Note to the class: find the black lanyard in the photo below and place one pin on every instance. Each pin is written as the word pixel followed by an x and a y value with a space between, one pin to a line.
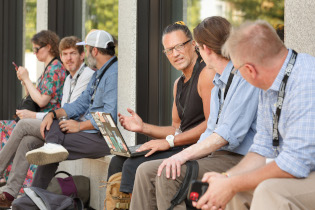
pixel 40 79
pixel 227 87
pixel 75 82
pixel 98 79
pixel 281 94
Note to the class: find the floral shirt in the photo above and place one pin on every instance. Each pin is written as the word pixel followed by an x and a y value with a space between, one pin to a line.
pixel 51 83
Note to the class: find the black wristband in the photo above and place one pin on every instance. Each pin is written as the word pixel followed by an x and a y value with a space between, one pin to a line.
pixel 53 111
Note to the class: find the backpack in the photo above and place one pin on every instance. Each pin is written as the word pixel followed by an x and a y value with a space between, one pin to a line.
pixel 40 199
pixel 115 199
pixel 73 186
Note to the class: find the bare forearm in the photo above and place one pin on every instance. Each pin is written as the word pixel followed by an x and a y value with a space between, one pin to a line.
pixel 35 94
pixel 25 88
pixel 250 180
pixel 191 136
pixel 86 125
pixel 204 148
pixel 157 132
pixel 250 162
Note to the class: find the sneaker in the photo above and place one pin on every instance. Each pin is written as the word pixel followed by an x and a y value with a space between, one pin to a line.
pixel 4 202
pixel 49 153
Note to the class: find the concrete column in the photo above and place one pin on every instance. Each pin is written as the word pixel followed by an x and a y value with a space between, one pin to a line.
pixel 41 24
pixel 42 15
pixel 299 25
pixel 127 47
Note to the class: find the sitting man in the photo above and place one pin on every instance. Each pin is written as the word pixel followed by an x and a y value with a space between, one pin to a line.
pixel 190 112
pixel 73 139
pixel 229 134
pixel 285 128
pixel 26 136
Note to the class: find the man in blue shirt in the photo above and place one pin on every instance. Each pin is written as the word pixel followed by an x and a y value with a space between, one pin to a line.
pixel 278 172
pixel 73 139
pixel 230 129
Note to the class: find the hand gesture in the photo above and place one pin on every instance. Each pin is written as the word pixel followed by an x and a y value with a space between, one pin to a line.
pixel 22 73
pixel 131 123
pixel 153 146
pixel 172 164
pixel 24 113
pixel 46 123
pixel 69 126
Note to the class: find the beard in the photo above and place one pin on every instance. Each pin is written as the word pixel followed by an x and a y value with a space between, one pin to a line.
pixel 91 62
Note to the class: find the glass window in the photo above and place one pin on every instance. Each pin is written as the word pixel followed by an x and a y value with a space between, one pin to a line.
pixel 235 11
pixel 103 15
pixel 30 30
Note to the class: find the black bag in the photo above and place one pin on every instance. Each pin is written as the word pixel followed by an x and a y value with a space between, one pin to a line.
pixel 181 195
pixel 27 103
pixel 40 199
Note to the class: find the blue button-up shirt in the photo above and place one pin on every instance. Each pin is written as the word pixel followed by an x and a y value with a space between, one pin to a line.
pixel 105 99
pixel 297 119
pixel 237 122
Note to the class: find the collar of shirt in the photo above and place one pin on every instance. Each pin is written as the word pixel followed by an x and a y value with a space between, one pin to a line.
pixel 221 80
pixel 76 74
pixel 276 84
pixel 98 72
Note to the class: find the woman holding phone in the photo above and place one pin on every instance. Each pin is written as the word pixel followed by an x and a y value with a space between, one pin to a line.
pixel 48 93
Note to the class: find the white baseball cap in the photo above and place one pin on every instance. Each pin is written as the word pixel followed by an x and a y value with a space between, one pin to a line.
pixel 97 38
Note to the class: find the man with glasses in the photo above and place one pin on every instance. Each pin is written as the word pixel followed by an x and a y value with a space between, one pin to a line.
pixel 75 138
pixel 230 129
pixel 191 107
pixel 279 170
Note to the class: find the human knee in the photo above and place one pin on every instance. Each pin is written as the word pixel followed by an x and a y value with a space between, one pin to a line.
pixel 142 170
pixel 31 143
pixel 266 188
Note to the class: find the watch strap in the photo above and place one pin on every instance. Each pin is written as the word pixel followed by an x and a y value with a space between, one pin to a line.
pixel 54 113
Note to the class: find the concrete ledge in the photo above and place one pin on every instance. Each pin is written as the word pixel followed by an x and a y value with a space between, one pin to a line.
pixel 96 170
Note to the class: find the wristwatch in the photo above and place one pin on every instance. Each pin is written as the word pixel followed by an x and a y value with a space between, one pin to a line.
pixel 54 113
pixel 170 140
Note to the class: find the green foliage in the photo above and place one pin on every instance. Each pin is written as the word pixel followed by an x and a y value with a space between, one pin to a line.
pixel 269 10
pixel 193 13
pixel 103 15
pixel 30 23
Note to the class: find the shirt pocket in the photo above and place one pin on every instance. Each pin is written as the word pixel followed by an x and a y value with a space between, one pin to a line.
pixel 98 99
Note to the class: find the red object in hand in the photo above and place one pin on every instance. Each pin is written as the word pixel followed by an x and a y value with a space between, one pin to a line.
pixel 194 196
pixel 16 67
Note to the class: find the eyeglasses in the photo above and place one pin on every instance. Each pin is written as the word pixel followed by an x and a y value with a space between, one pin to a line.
pixel 36 49
pixel 178 47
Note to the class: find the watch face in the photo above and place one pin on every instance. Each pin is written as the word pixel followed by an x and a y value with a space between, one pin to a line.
pixel 169 137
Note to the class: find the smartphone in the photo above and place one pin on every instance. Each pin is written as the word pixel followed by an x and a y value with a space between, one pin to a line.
pixel 16 67
pixel 196 190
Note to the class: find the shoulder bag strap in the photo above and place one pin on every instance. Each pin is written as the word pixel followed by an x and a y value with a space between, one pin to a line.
pixel 191 174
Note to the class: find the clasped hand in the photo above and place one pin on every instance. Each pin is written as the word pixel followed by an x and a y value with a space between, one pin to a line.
pixel 218 194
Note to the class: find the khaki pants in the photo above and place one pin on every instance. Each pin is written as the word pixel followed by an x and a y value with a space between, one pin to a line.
pixel 278 194
pixel 25 137
pixel 152 192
